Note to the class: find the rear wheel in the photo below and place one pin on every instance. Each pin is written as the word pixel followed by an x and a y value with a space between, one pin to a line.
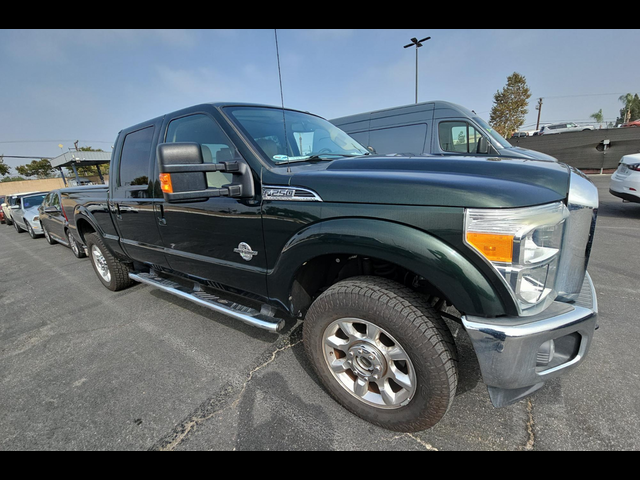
pixel 18 229
pixel 75 247
pixel 110 271
pixel 383 352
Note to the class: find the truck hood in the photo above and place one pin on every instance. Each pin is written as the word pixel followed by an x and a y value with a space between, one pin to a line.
pixel 437 181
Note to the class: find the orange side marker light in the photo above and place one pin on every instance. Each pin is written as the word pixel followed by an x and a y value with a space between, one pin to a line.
pixel 496 248
pixel 165 183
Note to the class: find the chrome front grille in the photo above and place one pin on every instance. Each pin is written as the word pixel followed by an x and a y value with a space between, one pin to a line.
pixel 578 236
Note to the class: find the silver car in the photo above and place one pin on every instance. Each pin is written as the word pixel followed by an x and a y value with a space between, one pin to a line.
pixel 563 128
pixel 25 214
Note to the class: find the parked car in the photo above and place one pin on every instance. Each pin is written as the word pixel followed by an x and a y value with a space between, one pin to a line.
pixel 25 214
pixel 634 123
pixel 9 202
pixel 54 222
pixel 564 128
pixel 625 181
pixel 2 197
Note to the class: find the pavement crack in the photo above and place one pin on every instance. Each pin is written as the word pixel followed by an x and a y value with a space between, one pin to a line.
pixel 426 445
pixel 531 436
pixel 220 402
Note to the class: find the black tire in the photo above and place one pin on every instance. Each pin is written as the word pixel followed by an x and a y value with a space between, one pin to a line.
pixel 32 232
pixel 18 229
pixel 415 388
pixel 47 236
pixel 76 248
pixel 111 272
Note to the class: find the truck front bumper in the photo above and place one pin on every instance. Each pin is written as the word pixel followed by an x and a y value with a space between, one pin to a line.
pixel 518 354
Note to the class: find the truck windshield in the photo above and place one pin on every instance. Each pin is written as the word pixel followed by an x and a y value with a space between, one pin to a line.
pixel 294 136
pixel 495 135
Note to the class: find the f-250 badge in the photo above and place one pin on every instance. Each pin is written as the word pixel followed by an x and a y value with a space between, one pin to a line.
pixel 245 251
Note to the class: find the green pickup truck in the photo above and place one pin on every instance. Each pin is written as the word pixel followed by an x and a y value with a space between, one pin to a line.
pixel 273 216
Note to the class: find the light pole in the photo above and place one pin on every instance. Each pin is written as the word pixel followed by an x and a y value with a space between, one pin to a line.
pixel 418 44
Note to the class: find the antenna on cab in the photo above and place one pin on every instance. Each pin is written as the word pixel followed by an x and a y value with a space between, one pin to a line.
pixel 286 141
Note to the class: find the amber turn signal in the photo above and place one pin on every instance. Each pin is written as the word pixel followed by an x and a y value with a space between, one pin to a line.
pixel 496 248
pixel 165 183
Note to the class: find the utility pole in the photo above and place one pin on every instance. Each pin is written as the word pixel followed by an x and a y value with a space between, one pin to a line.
pixel 418 44
pixel 539 108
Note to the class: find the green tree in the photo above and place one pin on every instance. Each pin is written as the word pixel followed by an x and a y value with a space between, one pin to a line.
pixel 4 169
pixel 631 109
pixel 510 106
pixel 12 179
pixel 38 168
pixel 598 117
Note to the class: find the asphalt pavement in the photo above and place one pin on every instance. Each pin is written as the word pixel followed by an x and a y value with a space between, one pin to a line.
pixel 83 368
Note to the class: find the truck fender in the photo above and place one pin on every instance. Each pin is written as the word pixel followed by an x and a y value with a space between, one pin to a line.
pixel 83 214
pixel 440 264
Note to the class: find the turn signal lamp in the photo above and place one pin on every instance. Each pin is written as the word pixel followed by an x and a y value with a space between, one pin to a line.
pixel 496 248
pixel 165 183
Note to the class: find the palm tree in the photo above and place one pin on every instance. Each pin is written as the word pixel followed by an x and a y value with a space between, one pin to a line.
pixel 630 102
pixel 598 117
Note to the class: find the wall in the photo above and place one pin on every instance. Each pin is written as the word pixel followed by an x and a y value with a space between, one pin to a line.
pixel 46 185
pixel 579 148
pixel 8 188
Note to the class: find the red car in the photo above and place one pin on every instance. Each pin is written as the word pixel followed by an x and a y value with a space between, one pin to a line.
pixel 1 212
pixel 635 123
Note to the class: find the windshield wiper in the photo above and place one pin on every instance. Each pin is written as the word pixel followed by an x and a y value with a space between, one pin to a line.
pixel 318 157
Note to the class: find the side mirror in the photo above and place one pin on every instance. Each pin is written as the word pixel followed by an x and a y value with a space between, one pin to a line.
pixel 183 174
pixel 483 145
pixel 51 210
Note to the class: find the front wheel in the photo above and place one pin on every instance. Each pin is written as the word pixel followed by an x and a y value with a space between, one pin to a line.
pixel 383 352
pixel 110 271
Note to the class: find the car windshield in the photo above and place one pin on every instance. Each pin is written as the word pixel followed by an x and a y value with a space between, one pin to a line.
pixel 28 202
pixel 294 136
pixel 495 135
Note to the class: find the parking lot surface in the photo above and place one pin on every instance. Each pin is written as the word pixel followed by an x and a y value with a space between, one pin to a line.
pixel 83 368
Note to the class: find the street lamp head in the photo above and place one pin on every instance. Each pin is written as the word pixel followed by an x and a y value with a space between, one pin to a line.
pixel 416 42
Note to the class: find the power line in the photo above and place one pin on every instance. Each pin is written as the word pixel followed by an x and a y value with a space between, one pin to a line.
pixel 583 95
pixel 52 141
pixel 22 156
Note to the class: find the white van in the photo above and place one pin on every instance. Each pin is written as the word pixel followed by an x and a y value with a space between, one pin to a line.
pixel 435 128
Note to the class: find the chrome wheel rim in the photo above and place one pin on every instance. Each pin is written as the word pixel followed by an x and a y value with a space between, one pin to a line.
pixel 101 264
pixel 74 245
pixel 369 363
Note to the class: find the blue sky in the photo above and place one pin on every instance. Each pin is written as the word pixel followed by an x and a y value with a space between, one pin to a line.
pixel 58 86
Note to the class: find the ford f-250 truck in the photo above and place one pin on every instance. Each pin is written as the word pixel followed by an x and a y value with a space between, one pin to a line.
pixel 269 214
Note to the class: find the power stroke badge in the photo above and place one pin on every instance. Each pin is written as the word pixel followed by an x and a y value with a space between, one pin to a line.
pixel 245 251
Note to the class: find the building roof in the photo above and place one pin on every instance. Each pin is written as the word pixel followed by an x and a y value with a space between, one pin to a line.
pixel 80 159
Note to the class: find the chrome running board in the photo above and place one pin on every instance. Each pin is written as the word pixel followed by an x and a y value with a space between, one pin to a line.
pixel 235 310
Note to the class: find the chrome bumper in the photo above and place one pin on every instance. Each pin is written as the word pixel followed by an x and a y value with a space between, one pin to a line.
pixel 515 353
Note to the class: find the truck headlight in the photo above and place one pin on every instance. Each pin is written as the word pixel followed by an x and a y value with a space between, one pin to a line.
pixel 523 245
